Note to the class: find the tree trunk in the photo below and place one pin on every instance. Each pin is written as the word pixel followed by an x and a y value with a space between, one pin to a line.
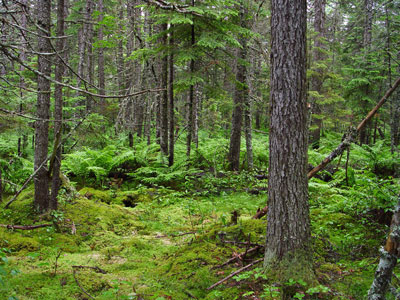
pixel 164 96
pixel 90 57
pixel 248 131
pixel 42 200
pixel 58 106
pixel 190 99
pixel 395 118
pixel 388 260
pixel 317 77
pixel 241 91
pixel 102 83
pixel 288 230
pixel 171 102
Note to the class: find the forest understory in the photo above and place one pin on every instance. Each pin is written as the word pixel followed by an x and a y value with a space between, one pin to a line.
pixel 140 230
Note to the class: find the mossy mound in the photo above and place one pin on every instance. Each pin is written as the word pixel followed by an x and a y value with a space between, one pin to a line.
pixel 124 198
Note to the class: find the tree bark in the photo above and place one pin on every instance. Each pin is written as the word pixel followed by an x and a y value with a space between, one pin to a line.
pixel 288 230
pixel 41 198
pixel 58 106
pixel 317 77
pixel 241 91
pixel 164 96
pixel 102 83
pixel 389 255
pixel 171 102
pixel 190 99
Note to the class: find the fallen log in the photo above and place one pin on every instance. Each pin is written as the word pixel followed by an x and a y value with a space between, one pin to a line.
pixel 347 140
pixel 25 227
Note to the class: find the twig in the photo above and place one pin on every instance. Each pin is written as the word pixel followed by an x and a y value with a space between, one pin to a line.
pixel 235 273
pixel 175 235
pixel 77 282
pixel 25 227
pixel 96 269
pixel 243 243
pixel 56 265
pixel 238 257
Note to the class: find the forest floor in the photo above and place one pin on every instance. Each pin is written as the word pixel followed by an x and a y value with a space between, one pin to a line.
pixel 170 246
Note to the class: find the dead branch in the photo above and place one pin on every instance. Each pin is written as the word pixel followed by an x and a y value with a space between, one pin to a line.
pixel 96 269
pixel 25 227
pixel 240 256
pixel 77 282
pixel 260 213
pixel 235 273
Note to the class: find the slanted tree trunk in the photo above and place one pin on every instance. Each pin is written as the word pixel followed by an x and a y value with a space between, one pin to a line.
pixel 58 106
pixel 317 77
pixel 241 91
pixel 41 198
pixel 288 230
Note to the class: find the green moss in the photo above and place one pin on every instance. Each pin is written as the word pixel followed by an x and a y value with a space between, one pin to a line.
pixel 16 242
pixel 96 195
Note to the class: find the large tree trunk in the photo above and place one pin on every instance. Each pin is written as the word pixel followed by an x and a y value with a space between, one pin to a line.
pixel 317 77
pixel 42 200
pixel 58 106
pixel 395 118
pixel 288 230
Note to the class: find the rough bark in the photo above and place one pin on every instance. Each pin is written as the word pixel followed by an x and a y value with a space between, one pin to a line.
pixel 171 102
pixel 288 229
pixel 389 255
pixel 190 99
pixel 317 77
pixel 22 84
pixel 395 118
pixel 241 91
pixel 164 97
pixel 41 198
pixel 248 131
pixel 101 75
pixel 58 106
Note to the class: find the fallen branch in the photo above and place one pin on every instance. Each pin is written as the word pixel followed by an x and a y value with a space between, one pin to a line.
pixel 260 213
pixel 96 269
pixel 25 227
pixel 242 243
pixel 235 273
pixel 240 256
pixel 348 139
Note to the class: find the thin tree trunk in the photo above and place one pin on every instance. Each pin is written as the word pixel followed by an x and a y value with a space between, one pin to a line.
pixel 41 198
pixel 58 106
pixel 90 57
pixel 317 77
pixel 190 99
pixel 171 102
pixel 248 130
pixel 22 84
pixel 102 84
pixel 241 91
pixel 164 96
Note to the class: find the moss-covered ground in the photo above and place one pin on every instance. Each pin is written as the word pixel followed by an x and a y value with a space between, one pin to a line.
pixel 165 245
